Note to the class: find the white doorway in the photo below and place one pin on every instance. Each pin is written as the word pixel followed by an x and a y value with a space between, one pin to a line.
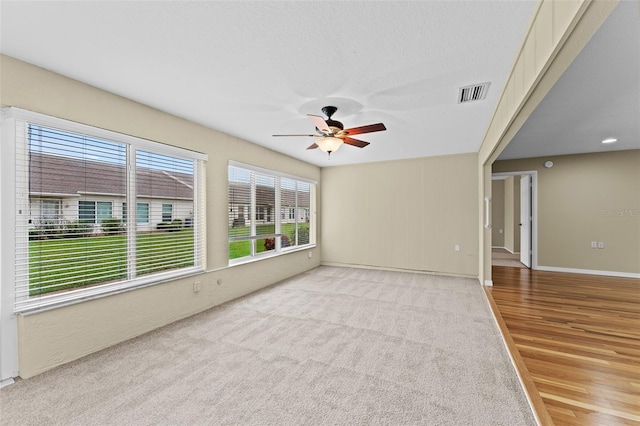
pixel 526 220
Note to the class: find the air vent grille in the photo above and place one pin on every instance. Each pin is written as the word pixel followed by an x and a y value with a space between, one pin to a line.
pixel 477 92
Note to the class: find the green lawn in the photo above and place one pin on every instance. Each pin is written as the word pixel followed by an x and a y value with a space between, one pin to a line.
pixel 239 249
pixel 60 264
pixel 76 262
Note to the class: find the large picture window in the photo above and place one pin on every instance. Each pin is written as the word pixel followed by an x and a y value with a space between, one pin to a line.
pixel 99 179
pixel 255 227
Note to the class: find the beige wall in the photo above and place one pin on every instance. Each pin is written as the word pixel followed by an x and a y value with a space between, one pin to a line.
pixel 584 198
pixel 406 214
pixel 512 214
pixel 509 214
pixel 57 336
pixel 498 212
pixel 506 213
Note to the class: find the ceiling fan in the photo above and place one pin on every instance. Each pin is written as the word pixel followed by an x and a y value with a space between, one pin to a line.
pixel 332 133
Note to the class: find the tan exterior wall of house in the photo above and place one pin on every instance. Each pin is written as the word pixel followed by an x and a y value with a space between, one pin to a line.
pixel 51 338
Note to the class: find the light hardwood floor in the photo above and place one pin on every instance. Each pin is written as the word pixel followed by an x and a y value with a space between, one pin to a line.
pixel 576 341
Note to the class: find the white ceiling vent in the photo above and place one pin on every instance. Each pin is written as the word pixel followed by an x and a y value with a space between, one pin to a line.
pixel 477 92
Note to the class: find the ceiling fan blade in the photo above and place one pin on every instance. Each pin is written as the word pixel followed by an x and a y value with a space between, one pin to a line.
pixel 378 127
pixel 313 136
pixel 313 146
pixel 319 122
pixel 355 142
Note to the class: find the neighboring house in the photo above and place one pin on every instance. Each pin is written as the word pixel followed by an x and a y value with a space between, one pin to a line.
pixel 240 205
pixel 64 189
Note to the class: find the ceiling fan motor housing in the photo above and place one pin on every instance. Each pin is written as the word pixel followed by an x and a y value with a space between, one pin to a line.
pixel 329 111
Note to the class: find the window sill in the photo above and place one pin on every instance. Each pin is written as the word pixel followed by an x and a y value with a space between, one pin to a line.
pixel 55 301
pixel 263 256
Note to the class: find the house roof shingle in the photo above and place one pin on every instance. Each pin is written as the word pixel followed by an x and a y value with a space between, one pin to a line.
pixel 240 192
pixel 53 174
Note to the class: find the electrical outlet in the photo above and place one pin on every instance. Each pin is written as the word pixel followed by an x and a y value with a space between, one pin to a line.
pixel 310 254
pixel 600 244
pixel 197 286
pixel 457 247
pixel 594 244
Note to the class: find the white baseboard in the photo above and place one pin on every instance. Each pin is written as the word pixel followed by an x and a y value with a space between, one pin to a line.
pixel 588 272
pixel 504 248
pixel 488 283
pixel 6 382
pixel 385 268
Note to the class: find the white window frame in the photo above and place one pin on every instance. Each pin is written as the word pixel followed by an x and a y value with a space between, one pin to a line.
pixel 253 256
pixel 14 140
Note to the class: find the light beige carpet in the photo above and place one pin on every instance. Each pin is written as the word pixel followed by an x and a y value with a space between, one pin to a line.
pixel 332 346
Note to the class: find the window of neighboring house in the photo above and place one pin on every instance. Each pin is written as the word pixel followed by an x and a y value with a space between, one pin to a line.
pixel 58 266
pixel 87 211
pixel 50 210
pixel 142 212
pixel 167 212
pixel 254 195
pixel 94 211
pixel 104 210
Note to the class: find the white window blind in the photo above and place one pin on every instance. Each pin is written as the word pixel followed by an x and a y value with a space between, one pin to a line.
pixel 269 213
pixel 99 179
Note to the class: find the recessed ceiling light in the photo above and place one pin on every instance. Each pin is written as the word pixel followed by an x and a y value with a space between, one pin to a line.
pixel 610 140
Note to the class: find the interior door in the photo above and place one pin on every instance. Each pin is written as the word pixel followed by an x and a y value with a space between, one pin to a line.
pixel 525 220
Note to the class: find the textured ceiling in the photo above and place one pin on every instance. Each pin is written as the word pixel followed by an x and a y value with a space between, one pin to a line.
pixel 253 69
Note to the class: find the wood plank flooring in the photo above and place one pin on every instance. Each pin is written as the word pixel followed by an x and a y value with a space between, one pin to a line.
pixel 578 337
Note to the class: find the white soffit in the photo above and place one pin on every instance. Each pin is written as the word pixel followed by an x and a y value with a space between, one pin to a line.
pixel 253 69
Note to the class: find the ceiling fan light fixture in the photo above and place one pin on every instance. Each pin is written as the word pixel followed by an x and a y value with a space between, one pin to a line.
pixel 333 134
pixel 329 144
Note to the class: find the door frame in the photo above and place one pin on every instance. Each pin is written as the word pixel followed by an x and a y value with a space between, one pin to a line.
pixel 534 209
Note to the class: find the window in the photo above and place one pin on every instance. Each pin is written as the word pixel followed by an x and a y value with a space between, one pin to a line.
pixel 167 212
pixel 255 197
pixel 87 211
pixel 142 212
pixel 296 197
pixel 50 210
pixel 100 176
pixel 94 211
